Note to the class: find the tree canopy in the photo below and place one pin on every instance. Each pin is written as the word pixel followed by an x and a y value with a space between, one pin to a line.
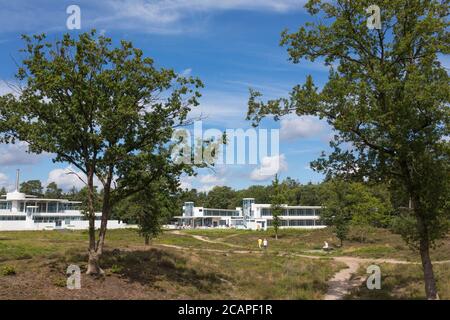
pixel 387 99
pixel 107 110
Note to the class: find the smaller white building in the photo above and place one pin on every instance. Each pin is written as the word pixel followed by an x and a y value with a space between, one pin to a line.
pixel 251 216
pixel 19 211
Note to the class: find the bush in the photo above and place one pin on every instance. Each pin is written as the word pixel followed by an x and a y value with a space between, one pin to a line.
pixel 116 268
pixel 8 271
pixel 62 283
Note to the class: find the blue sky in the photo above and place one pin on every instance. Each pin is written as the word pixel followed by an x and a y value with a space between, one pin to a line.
pixel 231 45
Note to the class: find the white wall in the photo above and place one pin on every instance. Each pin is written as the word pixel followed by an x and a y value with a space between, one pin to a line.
pixel 74 225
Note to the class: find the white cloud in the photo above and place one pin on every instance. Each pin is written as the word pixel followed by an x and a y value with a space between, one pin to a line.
pixel 16 154
pixel 7 86
pixel 148 16
pixel 212 179
pixel 269 167
pixel 4 181
pixel 186 72
pixel 300 127
pixel 68 178
pixel 186 182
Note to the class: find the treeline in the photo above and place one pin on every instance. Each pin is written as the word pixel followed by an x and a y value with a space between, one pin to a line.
pixel 293 193
pixel 223 197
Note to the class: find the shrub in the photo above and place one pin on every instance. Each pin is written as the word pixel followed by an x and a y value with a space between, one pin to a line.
pixel 8 271
pixel 116 268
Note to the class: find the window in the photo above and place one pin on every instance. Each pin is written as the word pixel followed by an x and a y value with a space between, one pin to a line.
pixel 221 213
pixel 52 207
pixel 5 205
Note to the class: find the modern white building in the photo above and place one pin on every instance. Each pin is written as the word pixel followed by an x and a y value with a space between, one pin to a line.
pixel 251 216
pixel 19 211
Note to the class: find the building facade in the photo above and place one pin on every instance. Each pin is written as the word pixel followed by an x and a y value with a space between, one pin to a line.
pixel 251 215
pixel 19 211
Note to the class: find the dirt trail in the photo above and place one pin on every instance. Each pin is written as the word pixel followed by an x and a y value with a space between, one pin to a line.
pixel 338 286
pixel 205 239
pixel 341 283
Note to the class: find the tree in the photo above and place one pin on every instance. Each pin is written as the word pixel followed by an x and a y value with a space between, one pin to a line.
pixel 3 191
pixel 53 191
pixel 277 200
pixel 220 197
pixel 387 98
pixel 349 204
pixel 32 187
pixel 150 209
pixel 107 111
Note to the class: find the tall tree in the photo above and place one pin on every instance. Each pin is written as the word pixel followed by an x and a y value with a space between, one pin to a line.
pixel 387 98
pixel 32 187
pixel 221 197
pixel 349 204
pixel 3 191
pixel 277 200
pixel 52 191
pixel 150 209
pixel 108 111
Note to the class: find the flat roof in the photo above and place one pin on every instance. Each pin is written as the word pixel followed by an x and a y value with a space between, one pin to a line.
pixel 43 200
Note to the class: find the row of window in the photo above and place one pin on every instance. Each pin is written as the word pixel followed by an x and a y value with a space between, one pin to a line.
pixel 45 219
pixel 55 219
pixel 5 205
pixel 221 213
pixel 49 207
pixel 292 212
pixel 12 218
pixel 297 223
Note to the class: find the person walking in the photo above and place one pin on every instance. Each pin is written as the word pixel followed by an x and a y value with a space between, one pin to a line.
pixel 265 244
pixel 260 243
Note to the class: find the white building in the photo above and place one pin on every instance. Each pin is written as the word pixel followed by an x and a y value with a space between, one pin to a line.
pixel 252 216
pixel 19 211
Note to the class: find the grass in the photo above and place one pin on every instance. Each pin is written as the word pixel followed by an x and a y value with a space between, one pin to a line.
pixel 403 282
pixel 229 267
pixel 379 243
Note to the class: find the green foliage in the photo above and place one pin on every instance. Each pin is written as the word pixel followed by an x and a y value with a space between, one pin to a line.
pixel 116 269
pixel 353 204
pixel 32 187
pixel 150 209
pixel 387 98
pixel 277 200
pixel 8 271
pixel 108 111
pixel 53 192
pixel 220 197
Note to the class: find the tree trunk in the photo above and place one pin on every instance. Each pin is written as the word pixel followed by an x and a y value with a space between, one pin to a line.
pixel 94 264
pixel 93 261
pixel 94 255
pixel 424 249
pixel 430 282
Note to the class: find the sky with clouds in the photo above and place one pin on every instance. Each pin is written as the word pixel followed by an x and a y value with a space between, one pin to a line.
pixel 231 45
